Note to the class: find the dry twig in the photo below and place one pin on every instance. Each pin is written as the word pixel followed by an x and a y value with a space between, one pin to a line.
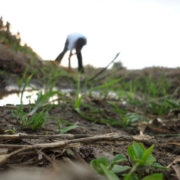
pixel 69 143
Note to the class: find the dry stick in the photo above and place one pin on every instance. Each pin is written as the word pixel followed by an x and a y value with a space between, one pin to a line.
pixel 104 137
pixel 5 157
pixel 100 72
pixel 109 136
pixel 69 143
pixel 33 136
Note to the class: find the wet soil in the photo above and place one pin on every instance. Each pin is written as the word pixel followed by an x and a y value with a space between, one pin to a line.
pixel 165 137
pixel 164 134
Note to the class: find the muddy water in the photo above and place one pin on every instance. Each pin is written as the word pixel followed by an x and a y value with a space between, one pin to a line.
pixel 12 95
pixel 13 98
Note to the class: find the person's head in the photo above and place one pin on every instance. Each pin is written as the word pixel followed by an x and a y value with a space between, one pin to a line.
pixel 80 43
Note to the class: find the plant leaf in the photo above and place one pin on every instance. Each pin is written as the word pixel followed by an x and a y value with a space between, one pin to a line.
pixel 138 149
pixel 119 158
pixel 157 176
pixel 131 153
pixel 96 164
pixel 148 158
pixel 158 166
pixel 131 177
pixel 68 128
pixel 109 174
pixel 119 168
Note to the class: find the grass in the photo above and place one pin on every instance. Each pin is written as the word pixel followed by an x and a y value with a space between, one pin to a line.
pixel 148 98
pixel 148 94
pixel 136 98
pixel 144 93
pixel 65 126
pixel 37 115
pixel 146 85
pixel 127 117
pixel 106 112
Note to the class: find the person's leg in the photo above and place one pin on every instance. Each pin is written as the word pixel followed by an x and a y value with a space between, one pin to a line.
pixel 79 44
pixel 80 63
pixel 61 55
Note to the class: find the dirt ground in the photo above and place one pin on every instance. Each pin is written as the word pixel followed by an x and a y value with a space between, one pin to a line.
pixel 77 147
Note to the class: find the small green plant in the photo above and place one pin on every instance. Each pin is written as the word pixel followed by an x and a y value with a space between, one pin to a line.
pixel 37 116
pixel 141 157
pixel 107 85
pixel 42 99
pixel 26 82
pixel 146 84
pixel 127 117
pixel 109 169
pixel 33 121
pixel 79 97
pixel 67 128
pixel 159 108
pixel 78 102
pixel 122 114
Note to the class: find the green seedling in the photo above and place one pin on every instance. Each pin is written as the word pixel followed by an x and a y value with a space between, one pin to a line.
pixel 37 116
pixel 127 117
pixel 104 167
pixel 97 115
pixel 141 157
pixel 78 97
pixel 133 117
pixel 155 176
pixel 122 114
pixel 78 101
pixel 107 85
pixel 23 83
pixel 42 99
pixel 164 106
pixel 69 126
pixel 33 121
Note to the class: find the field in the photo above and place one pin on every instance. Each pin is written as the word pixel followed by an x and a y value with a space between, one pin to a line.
pixel 121 124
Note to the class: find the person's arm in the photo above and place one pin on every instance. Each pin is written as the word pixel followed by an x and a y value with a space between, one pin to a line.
pixel 70 54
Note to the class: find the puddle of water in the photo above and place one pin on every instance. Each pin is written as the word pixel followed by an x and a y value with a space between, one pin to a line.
pixel 12 97
pixel 30 96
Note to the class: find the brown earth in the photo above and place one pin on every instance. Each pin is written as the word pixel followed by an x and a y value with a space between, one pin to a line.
pixel 164 135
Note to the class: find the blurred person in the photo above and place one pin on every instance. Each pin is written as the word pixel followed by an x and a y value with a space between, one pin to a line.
pixel 73 41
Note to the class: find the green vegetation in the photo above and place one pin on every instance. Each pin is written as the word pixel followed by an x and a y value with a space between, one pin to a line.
pixel 142 159
pixel 69 126
pixel 37 115
pixel 117 110
pixel 143 93
pixel 119 100
pixel 127 117
pixel 14 41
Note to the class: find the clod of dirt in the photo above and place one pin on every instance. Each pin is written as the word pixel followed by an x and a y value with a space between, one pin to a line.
pixel 71 171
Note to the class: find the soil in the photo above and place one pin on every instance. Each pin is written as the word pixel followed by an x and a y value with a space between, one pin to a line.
pixel 164 134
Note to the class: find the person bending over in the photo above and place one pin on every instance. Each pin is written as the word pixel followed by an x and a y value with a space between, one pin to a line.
pixel 73 41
